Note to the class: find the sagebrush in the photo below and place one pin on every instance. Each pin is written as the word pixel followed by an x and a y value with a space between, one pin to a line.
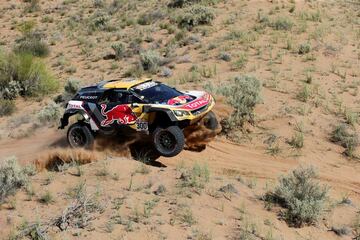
pixel 25 75
pixel 195 15
pixel 12 177
pixel 243 93
pixel 301 195
pixel 347 137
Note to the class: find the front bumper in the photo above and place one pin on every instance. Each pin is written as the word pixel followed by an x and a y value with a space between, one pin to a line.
pixel 197 114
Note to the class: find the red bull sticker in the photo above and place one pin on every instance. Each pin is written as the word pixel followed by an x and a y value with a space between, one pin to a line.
pixel 122 114
pixel 178 100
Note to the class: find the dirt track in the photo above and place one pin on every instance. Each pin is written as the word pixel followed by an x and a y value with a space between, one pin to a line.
pixel 222 156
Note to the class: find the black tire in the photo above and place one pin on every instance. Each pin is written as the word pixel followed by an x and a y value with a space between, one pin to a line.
pixel 210 121
pixel 80 136
pixel 170 141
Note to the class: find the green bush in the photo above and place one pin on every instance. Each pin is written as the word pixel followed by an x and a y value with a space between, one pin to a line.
pixel 184 3
pixel 12 90
pixel 150 17
pixel 304 48
pixel 243 93
pixel 33 6
pixel 32 43
pixel 243 37
pixel 99 3
pixel 225 56
pixel 150 60
pixel 305 93
pixel 346 137
pixel 301 195
pixel 72 86
pixel 12 177
pixel 195 15
pixel 297 141
pixel 240 63
pixel 282 23
pixel 196 177
pixel 50 113
pixel 26 27
pixel 119 50
pixel 7 107
pixel 99 21
pixel 27 74
pixel 314 16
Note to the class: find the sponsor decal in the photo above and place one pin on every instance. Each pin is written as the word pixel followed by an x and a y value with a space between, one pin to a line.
pixel 88 97
pixel 146 85
pixel 122 114
pixel 197 103
pixel 142 125
pixel 178 100
pixel 74 105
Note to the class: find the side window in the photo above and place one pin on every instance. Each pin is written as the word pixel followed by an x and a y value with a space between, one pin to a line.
pixel 122 98
pixel 114 97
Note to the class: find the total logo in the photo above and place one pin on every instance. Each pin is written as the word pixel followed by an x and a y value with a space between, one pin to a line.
pixel 75 105
pixel 197 104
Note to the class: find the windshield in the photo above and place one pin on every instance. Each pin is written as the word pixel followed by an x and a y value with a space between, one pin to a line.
pixel 156 92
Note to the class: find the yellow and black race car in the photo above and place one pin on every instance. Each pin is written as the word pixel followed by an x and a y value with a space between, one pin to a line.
pixel 137 106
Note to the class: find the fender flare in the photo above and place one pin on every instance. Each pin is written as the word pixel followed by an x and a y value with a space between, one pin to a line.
pixel 168 112
pixel 64 121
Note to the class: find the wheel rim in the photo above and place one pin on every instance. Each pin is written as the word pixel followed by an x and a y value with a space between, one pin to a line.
pixel 77 137
pixel 167 141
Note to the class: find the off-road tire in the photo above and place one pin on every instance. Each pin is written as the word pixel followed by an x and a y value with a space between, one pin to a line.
pixel 82 131
pixel 210 121
pixel 172 136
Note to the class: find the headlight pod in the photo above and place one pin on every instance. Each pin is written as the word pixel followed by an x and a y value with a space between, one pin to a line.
pixel 181 113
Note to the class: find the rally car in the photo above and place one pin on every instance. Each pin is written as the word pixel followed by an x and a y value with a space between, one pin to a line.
pixel 137 106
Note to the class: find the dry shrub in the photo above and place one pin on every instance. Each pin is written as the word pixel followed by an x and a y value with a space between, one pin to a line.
pixel 195 15
pixel 12 177
pixel 346 137
pixel 26 74
pixel 7 107
pixel 242 93
pixel 301 195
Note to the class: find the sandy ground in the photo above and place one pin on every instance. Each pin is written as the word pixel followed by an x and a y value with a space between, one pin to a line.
pixel 331 70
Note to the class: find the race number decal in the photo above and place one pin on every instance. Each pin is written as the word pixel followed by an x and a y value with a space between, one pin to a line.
pixel 142 125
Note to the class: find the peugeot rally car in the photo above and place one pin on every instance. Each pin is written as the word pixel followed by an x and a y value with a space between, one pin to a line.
pixel 137 106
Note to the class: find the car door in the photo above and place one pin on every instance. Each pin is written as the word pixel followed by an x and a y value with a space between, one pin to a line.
pixel 115 109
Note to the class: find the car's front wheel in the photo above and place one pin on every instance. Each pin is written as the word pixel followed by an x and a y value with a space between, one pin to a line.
pixel 80 136
pixel 169 141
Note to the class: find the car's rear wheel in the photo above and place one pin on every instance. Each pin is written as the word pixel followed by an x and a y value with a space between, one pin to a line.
pixel 170 141
pixel 80 136
pixel 210 121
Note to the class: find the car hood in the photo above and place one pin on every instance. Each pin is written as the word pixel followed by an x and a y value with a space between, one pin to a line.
pixel 191 100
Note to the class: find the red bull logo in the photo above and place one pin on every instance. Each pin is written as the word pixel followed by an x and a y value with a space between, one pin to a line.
pixel 122 114
pixel 178 100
